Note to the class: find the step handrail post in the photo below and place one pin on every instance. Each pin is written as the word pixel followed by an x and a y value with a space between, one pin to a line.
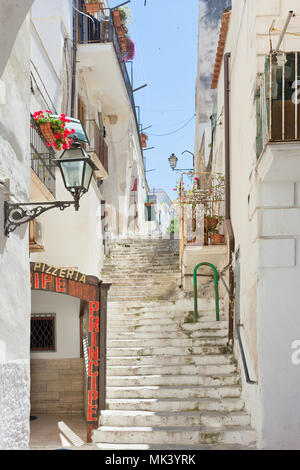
pixel 216 283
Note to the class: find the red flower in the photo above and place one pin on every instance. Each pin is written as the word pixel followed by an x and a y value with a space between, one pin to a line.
pixel 65 146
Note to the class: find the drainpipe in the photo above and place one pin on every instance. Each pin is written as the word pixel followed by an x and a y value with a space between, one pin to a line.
pixel 228 223
pixel 74 58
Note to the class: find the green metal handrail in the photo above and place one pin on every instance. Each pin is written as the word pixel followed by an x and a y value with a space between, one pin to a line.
pixel 216 282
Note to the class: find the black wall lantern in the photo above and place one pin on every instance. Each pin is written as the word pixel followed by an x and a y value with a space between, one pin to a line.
pixel 173 160
pixel 76 169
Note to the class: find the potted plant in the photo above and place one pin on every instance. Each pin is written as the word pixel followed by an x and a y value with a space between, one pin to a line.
pixel 144 139
pixel 54 129
pixel 130 53
pixel 116 14
pixel 216 237
pixel 93 6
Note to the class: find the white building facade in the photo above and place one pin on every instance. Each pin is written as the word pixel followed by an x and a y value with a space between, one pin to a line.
pixel 14 256
pixel 256 143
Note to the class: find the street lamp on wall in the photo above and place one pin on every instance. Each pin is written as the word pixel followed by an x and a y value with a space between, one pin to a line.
pixel 173 160
pixel 76 169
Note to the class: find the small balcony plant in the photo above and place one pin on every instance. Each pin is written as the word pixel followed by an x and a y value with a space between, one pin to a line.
pixel 130 53
pixel 54 129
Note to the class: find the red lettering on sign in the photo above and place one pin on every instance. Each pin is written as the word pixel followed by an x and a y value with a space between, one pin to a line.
pixel 92 396
pixel 91 364
pixel 61 285
pixel 93 354
pixel 36 280
pixel 46 279
pixel 93 307
pixel 92 409
pixel 93 383
pixel 94 324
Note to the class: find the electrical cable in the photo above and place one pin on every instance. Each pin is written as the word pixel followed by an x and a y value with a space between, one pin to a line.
pixel 173 132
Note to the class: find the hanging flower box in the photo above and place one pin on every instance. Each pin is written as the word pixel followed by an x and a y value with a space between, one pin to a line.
pixel 117 18
pixel 123 43
pixel 93 7
pixel 47 132
pixel 54 129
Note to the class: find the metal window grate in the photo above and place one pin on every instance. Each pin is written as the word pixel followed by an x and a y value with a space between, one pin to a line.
pixel 42 337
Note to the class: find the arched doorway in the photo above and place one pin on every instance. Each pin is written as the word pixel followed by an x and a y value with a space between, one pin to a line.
pixel 86 340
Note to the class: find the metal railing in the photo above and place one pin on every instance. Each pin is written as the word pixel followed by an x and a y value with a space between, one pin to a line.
pixel 42 158
pixel 93 30
pixel 216 284
pixel 278 110
pixel 97 144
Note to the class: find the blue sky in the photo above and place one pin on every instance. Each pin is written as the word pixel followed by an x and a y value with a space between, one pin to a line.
pixel 165 33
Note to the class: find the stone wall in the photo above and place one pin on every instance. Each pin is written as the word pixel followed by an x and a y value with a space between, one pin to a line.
pixel 57 386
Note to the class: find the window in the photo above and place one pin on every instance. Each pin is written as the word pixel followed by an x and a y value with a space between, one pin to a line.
pixel 42 337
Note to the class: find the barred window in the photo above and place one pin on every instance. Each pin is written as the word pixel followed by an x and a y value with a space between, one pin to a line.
pixel 42 336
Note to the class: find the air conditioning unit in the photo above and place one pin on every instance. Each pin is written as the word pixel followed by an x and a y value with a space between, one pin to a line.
pixel 36 242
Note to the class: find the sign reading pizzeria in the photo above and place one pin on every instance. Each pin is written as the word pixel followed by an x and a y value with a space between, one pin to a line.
pixel 88 288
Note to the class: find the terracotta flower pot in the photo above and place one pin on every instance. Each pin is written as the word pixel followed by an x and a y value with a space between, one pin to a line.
pixel 123 43
pixel 211 222
pixel 93 7
pixel 47 132
pixel 217 239
pixel 117 18
pixel 144 139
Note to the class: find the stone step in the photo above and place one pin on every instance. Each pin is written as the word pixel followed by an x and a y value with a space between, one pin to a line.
pixel 179 392
pixel 169 360
pixel 152 380
pixel 169 352
pixel 191 343
pixel 121 335
pixel 164 325
pixel 165 334
pixel 154 405
pixel 142 418
pixel 210 369
pixel 175 435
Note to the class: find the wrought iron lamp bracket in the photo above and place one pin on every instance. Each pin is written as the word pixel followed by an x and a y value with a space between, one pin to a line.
pixel 19 214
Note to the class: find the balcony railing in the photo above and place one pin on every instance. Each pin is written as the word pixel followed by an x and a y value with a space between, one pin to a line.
pixel 41 158
pixel 278 110
pixel 97 144
pixel 93 30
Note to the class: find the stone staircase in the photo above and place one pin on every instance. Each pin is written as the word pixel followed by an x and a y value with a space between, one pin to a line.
pixel 171 384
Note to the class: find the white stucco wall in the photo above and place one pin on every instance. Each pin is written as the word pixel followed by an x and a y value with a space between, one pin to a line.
pixel 264 200
pixel 67 331
pixel 14 259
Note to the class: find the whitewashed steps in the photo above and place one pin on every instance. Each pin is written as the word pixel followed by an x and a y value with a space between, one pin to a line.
pixel 177 435
pixel 171 383
pixel 172 391
pixel 154 380
pixel 179 405
pixel 138 418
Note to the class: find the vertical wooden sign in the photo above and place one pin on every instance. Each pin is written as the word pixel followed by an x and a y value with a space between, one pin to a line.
pixel 93 367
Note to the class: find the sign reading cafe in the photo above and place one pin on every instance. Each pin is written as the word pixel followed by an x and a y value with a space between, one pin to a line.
pixel 87 288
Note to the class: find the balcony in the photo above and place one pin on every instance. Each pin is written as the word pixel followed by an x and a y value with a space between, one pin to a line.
pixel 103 64
pixel 98 149
pixel 278 117
pixel 278 111
pixel 41 158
